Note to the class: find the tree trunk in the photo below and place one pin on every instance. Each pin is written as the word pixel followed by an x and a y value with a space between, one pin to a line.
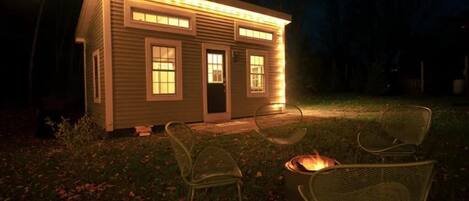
pixel 466 74
pixel 33 52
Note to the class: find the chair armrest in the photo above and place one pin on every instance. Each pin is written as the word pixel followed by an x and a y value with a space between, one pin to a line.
pixel 303 193
pixel 384 149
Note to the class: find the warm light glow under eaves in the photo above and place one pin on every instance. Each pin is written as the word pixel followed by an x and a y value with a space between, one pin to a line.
pixel 216 8
pixel 280 57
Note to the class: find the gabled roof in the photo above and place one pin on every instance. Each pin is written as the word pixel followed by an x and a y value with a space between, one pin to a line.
pixel 86 13
pixel 231 8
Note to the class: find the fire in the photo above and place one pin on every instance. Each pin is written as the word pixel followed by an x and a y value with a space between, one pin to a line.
pixel 315 162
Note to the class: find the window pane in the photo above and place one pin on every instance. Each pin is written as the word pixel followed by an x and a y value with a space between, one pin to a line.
pixel 156 66
pixel 261 61
pixel 210 58
pixel 156 76
pixel 262 35
pixel 156 88
pixel 162 19
pixel 164 76
pixel 173 21
pixel 253 80
pixel 210 78
pixel 156 52
pixel 171 53
pixel 242 31
pixel 171 88
pixel 170 66
pixel 163 66
pixel 150 18
pixel 171 77
pixel 138 16
pixel 269 36
pixel 164 88
pixel 184 23
pixel 256 34
pixel 164 52
pixel 249 33
pixel 254 69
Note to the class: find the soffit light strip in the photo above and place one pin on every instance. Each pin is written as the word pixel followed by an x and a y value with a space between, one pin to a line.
pixel 226 10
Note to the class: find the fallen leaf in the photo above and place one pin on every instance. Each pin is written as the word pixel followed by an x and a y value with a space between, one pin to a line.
pixel 171 188
pixel 259 174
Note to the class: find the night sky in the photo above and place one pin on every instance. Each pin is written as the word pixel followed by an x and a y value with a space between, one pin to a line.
pixel 359 32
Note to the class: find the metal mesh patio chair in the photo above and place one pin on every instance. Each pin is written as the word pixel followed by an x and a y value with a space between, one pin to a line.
pixel 213 166
pixel 280 123
pixel 405 127
pixel 371 182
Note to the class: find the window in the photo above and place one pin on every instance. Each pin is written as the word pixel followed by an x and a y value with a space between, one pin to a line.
pixel 215 68
pixel 157 17
pixel 257 73
pixel 164 69
pixel 96 77
pixel 254 33
pixel 162 19
pixel 250 33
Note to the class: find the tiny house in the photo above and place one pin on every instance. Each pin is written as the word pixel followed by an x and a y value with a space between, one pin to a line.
pixel 147 62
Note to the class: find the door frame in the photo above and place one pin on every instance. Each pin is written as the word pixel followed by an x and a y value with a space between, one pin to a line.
pixel 216 116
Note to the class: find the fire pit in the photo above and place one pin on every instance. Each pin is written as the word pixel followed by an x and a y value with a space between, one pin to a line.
pixel 299 170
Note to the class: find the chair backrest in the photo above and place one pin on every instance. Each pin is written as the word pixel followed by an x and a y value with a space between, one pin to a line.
pixel 182 141
pixel 280 120
pixel 409 124
pixel 371 182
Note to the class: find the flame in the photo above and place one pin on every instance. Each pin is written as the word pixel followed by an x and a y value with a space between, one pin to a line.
pixel 315 162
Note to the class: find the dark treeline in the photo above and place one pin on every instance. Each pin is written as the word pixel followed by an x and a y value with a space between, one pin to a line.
pixel 374 46
pixel 365 46
pixel 57 63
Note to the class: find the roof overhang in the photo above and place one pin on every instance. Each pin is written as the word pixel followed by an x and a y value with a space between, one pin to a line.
pixel 86 13
pixel 235 9
pixel 229 8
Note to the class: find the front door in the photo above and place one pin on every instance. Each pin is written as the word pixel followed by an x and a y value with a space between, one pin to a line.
pixel 216 81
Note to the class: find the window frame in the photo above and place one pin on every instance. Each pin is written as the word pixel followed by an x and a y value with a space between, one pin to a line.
pixel 155 8
pixel 96 80
pixel 149 43
pixel 255 27
pixel 249 92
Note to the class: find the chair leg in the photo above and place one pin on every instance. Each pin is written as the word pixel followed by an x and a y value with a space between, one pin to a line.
pixel 238 185
pixel 191 193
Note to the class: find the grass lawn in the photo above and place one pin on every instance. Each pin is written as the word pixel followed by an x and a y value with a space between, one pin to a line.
pixel 130 168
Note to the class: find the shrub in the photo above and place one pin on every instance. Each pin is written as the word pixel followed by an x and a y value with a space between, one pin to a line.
pixel 76 135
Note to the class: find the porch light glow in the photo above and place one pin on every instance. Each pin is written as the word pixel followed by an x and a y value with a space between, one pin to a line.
pixel 216 8
pixel 280 57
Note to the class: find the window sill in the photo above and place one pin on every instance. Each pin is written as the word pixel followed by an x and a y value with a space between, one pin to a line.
pixel 258 95
pixel 153 98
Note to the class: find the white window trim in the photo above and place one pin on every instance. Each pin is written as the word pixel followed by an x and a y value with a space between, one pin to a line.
pixel 256 27
pixel 149 42
pixel 154 7
pixel 98 68
pixel 265 54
